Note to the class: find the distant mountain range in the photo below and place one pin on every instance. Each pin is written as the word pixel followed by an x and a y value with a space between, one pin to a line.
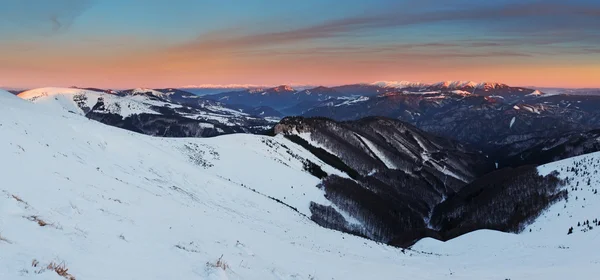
pixel 498 119
pixel 570 91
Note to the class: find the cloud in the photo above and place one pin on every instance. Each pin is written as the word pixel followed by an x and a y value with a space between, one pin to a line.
pixel 41 16
pixel 394 51
pixel 546 22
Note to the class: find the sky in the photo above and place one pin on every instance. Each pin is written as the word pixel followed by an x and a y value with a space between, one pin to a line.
pixel 174 43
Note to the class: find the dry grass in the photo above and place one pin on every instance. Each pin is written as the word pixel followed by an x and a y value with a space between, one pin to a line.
pixel 20 200
pixel 36 264
pixel 2 238
pixel 39 221
pixel 220 264
pixel 60 269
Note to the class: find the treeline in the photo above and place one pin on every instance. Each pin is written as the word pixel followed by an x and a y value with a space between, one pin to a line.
pixel 506 200
pixel 430 192
pixel 381 217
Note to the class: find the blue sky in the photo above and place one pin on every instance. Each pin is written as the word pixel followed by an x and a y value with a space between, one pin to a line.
pixel 115 43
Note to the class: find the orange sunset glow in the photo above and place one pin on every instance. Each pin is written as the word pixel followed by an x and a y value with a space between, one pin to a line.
pixel 68 44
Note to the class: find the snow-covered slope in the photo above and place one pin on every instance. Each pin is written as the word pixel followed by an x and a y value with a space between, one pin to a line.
pixel 444 85
pixel 546 249
pixel 157 107
pixel 398 84
pixel 81 101
pixel 110 204
pixel 104 195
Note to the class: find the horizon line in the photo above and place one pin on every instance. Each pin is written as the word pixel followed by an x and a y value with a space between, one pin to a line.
pixel 293 85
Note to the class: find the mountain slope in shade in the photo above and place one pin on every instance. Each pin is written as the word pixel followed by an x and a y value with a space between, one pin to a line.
pixel 376 143
pixel 399 174
pixel 480 88
pixel 92 205
pixel 547 150
pixel 570 91
pixel 564 235
pixel 15 92
pixel 487 122
pixel 279 98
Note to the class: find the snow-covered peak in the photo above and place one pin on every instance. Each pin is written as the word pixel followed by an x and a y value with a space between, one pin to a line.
pixel 398 84
pixel 282 88
pixel 142 91
pixel 136 102
pixel 536 93
pixel 456 84
pixel 52 91
pixel 275 90
pixel 461 92
pixel 81 101
pixel 469 84
pixel 486 85
pixel 440 85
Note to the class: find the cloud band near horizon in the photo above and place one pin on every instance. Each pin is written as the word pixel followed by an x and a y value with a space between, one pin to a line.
pixel 172 43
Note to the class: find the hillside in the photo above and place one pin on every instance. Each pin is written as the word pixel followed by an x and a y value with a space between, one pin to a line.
pixel 93 197
pixel 561 243
pixel 169 112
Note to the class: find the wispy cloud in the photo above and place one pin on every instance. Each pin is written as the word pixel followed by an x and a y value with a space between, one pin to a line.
pixel 41 16
pixel 557 22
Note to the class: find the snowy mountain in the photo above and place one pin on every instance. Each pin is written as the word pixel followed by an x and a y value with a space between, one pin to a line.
pixel 547 150
pixel 279 98
pixel 167 112
pixel 399 84
pixel 365 89
pixel 488 122
pixel 570 91
pixel 293 102
pixel 84 200
pixel 480 88
pixel 206 89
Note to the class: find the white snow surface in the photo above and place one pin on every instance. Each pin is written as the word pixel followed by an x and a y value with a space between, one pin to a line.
pixel 353 101
pixel 120 205
pixel 443 84
pixel 398 84
pixel 138 91
pixel 135 103
pixel 544 250
pixel 461 92
pixel 535 93
pixel 379 154
pixel 64 98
